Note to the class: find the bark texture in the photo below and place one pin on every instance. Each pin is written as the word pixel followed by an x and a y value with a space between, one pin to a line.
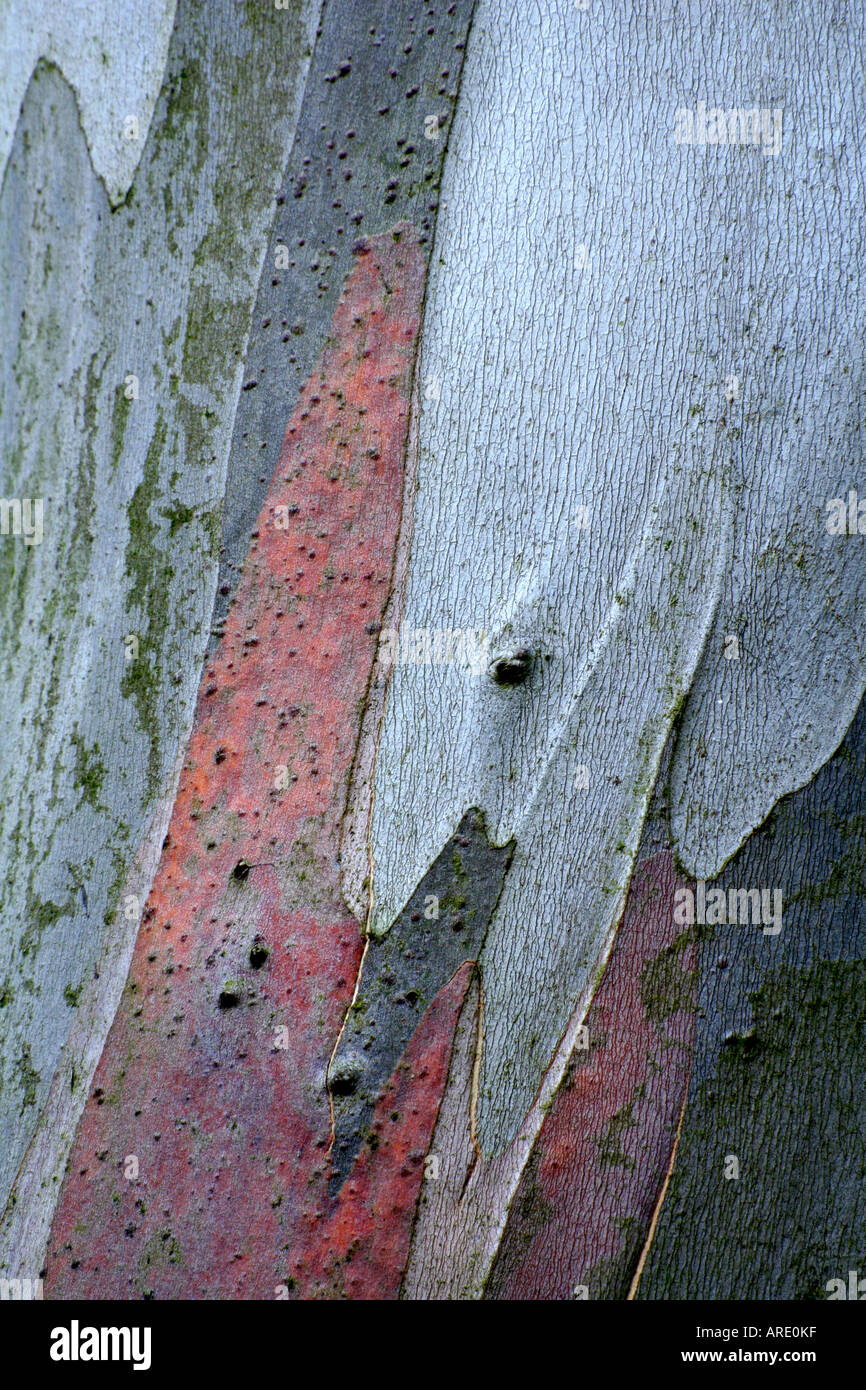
pixel 336 965
pixel 122 365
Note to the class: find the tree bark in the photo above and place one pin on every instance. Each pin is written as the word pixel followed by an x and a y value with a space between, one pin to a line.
pixel 437 417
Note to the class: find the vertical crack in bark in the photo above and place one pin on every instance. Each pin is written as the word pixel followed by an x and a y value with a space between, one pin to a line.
pixel 659 1204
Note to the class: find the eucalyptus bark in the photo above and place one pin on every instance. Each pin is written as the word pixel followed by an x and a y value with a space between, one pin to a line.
pixel 458 405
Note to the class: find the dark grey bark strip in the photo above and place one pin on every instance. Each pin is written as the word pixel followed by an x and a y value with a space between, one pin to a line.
pixel 384 77
pixel 780 1056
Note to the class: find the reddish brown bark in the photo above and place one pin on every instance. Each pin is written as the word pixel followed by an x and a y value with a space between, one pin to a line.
pixel 586 1199
pixel 362 1248
pixel 245 931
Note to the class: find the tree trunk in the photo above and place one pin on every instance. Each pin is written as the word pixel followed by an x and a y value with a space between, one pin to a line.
pixel 434 864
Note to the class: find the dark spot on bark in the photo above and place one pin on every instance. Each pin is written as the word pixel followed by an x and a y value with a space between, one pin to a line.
pixel 345 1076
pixel 512 668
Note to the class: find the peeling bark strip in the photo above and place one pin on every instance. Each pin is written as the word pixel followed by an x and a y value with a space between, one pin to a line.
pixel 780 1055
pixel 583 1207
pixel 116 82
pixel 650 412
pixel 194 1169
pixel 561 1205
pixel 442 926
pixel 120 370
pixel 360 1251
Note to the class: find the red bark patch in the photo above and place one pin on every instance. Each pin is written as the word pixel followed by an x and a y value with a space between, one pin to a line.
pixel 363 1248
pixel 585 1202
pixel 199 1165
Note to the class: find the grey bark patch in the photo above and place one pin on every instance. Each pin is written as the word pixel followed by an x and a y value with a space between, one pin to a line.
pixel 402 974
pixel 592 485
pixel 780 1051
pixel 462 1218
pixel 25 1223
pixel 116 81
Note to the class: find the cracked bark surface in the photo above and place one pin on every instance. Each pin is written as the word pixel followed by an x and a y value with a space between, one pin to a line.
pixel 200 126
pixel 779 1049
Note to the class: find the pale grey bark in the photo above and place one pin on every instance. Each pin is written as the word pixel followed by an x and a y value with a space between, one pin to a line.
pixel 113 58
pixel 597 378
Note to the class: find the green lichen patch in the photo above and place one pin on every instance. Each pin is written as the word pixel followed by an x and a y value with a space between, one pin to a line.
pixel 666 987
pixel 610 1145
pixel 28 1077
pixel 149 574
pixel 89 773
